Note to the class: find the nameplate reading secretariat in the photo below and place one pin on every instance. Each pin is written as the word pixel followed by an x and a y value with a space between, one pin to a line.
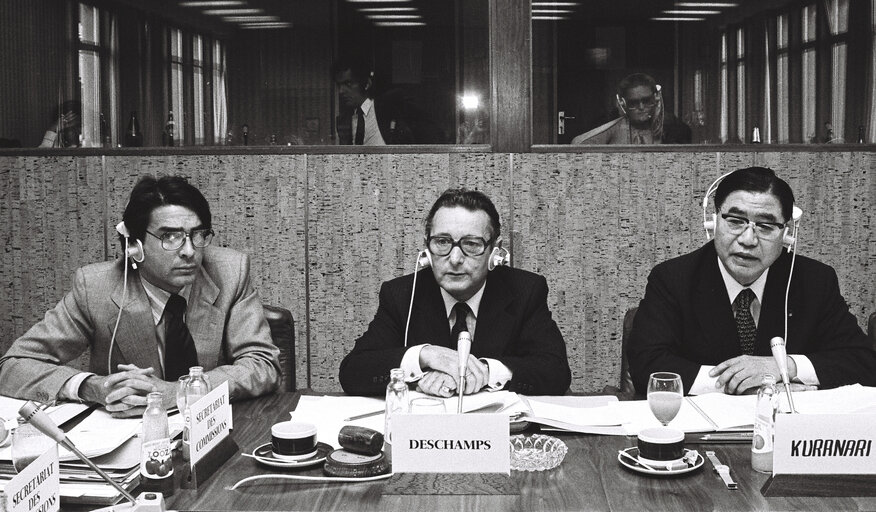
pixel 211 421
pixel 37 488
pixel 450 443
pixel 826 444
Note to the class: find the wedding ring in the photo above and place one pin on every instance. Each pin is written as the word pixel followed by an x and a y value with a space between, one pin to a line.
pixel 445 389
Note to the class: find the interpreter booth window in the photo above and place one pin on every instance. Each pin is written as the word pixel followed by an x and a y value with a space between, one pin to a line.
pixel 674 72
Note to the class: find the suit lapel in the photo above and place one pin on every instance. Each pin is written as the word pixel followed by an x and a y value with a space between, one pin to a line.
pixel 495 323
pixel 136 340
pixel 204 319
pixel 712 306
pixel 429 318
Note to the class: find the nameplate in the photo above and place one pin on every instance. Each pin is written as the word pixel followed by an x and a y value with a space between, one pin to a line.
pixel 37 488
pixel 211 421
pixel 450 443
pixel 837 444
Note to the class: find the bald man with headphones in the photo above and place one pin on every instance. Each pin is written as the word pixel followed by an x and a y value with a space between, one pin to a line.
pixel 516 345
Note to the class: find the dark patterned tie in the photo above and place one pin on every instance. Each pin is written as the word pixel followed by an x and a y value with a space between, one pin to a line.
pixel 360 126
pixel 179 347
pixel 461 309
pixel 746 331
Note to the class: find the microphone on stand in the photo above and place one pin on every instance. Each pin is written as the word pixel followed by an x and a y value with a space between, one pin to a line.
pixel 463 348
pixel 780 354
pixel 39 419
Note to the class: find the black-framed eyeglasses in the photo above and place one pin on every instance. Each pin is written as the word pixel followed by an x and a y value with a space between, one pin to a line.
pixel 440 245
pixel 764 230
pixel 173 240
pixel 641 104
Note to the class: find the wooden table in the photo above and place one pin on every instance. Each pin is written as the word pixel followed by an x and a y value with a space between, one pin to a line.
pixel 590 478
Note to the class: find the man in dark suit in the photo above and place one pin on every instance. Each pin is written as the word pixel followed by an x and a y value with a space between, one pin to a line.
pixel 516 345
pixel 721 304
pixel 368 119
pixel 179 303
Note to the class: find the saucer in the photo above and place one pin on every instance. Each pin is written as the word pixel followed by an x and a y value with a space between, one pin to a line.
pixel 264 455
pixel 634 451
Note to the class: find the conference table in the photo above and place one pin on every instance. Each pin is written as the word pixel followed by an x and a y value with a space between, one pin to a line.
pixel 590 478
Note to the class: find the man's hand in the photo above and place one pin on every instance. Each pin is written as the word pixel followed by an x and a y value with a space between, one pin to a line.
pixel 124 393
pixel 742 373
pixel 445 360
pixel 437 383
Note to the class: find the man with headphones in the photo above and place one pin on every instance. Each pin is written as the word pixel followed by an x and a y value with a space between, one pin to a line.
pixel 710 315
pixel 173 301
pixel 516 345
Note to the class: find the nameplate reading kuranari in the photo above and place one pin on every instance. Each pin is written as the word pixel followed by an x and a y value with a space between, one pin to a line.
pixel 211 421
pixel 450 443
pixel 827 444
pixel 37 488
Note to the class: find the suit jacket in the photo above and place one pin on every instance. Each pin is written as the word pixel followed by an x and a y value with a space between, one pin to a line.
pixel 399 121
pixel 224 316
pixel 514 326
pixel 686 320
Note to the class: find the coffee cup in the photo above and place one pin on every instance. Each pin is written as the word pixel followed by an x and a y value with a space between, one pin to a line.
pixel 660 445
pixel 293 440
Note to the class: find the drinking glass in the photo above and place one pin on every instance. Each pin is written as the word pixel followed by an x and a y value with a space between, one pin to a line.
pixel 28 443
pixel 664 395
pixel 427 405
pixel 181 394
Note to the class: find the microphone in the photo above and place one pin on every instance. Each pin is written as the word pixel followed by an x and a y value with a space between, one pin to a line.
pixel 463 349
pixel 780 354
pixel 39 419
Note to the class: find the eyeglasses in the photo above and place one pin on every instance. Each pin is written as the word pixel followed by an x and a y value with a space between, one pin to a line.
pixel 469 245
pixel 641 104
pixel 764 230
pixel 173 240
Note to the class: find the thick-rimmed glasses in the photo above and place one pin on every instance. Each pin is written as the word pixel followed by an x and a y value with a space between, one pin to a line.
pixel 641 104
pixel 173 240
pixel 764 230
pixel 469 245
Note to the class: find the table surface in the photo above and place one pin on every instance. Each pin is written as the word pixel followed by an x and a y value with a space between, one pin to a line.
pixel 590 478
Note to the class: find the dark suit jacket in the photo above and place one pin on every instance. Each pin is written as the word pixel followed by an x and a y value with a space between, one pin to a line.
pixel 399 121
pixel 514 326
pixel 686 320
pixel 224 316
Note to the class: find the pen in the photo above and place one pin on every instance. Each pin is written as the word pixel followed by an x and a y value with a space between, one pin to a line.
pixel 728 436
pixel 366 415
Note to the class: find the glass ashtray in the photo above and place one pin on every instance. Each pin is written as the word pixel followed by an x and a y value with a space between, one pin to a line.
pixel 536 452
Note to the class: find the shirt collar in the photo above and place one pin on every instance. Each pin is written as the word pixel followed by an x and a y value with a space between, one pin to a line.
pixel 733 286
pixel 158 298
pixel 474 302
pixel 366 106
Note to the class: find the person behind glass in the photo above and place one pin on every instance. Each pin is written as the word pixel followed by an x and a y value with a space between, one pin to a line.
pixel 66 127
pixel 516 345
pixel 369 119
pixel 643 119
pixel 175 302
pixel 710 315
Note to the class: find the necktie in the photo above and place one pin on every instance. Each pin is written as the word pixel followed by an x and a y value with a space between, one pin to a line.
pixel 462 311
pixel 746 331
pixel 360 126
pixel 179 347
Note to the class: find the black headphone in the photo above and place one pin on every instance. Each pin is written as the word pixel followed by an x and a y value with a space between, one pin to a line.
pixel 135 253
pixel 789 236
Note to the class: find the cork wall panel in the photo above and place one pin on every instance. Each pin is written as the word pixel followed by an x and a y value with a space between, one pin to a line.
pixel 51 216
pixel 366 226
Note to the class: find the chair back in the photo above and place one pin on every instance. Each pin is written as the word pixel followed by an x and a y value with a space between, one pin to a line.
pixel 871 329
pixel 626 381
pixel 283 335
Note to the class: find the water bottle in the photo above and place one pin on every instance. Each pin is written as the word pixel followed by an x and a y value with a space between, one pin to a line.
pixel 156 457
pixel 764 425
pixel 169 129
pixel 197 386
pixel 396 403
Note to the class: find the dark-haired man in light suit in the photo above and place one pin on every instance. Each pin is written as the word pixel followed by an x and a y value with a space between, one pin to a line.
pixel 710 315
pixel 516 345
pixel 185 304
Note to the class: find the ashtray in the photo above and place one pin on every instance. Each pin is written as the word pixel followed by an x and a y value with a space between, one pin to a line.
pixel 536 452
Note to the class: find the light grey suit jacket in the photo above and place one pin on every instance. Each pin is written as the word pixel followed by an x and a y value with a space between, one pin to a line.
pixel 224 316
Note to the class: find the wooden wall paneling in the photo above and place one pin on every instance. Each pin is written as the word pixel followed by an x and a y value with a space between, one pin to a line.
pixel 510 55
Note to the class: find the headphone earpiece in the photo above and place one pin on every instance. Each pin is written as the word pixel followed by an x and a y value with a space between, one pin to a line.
pixel 621 104
pixel 709 225
pixel 424 259
pixel 499 256
pixel 134 252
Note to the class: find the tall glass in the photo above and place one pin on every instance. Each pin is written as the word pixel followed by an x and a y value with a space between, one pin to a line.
pixel 427 405
pixel 28 443
pixel 664 395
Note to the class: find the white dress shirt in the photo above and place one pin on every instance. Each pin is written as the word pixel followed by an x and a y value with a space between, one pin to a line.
pixel 372 130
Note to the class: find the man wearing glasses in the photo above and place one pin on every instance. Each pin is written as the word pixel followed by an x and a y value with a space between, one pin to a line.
pixel 643 120
pixel 176 302
pixel 516 345
pixel 710 315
